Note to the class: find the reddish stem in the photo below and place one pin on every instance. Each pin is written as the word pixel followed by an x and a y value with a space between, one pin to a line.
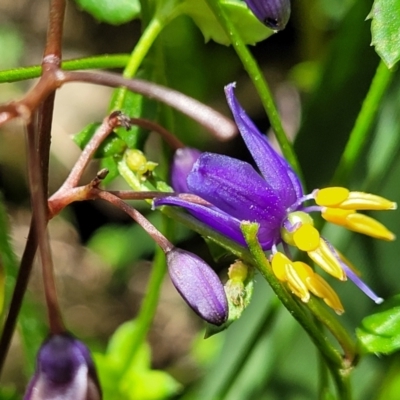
pixel 157 236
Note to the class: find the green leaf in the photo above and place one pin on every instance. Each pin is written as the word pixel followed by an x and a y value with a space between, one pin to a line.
pixel 110 163
pixel 251 28
pixel 385 30
pixel 114 12
pixel 111 146
pixel 380 332
pixel 130 379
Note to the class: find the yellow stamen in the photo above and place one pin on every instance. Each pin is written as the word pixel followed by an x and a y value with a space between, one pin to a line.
pixel 301 280
pixel 369 226
pixel 296 284
pixel 367 201
pixel 339 197
pixel 336 215
pixel 324 257
pixel 358 223
pixel 320 287
pixel 332 196
pixel 278 262
pixel 295 218
pixel 306 238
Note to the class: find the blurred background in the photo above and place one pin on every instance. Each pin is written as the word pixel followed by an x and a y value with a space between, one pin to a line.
pixel 319 68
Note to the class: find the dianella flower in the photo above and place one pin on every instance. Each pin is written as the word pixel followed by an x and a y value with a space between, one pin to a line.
pixel 64 371
pixel 232 191
pixel 273 13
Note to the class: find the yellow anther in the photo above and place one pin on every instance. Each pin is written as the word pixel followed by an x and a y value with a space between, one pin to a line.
pixel 306 238
pixel 295 218
pixel 278 263
pixel 368 226
pixel 367 201
pixel 358 223
pixel 324 257
pixel 336 215
pixel 296 283
pixel 319 287
pixel 332 196
pixel 339 197
pixel 303 270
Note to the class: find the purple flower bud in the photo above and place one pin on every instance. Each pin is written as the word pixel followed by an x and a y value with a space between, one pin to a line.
pixel 199 285
pixel 273 13
pixel 64 371
pixel 181 166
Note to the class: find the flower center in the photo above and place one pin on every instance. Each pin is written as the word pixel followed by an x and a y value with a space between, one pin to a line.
pixel 293 221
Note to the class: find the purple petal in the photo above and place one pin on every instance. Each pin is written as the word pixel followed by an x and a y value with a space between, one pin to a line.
pixel 237 189
pixel 64 371
pixel 199 285
pixel 273 13
pixel 181 166
pixel 275 169
pixel 220 221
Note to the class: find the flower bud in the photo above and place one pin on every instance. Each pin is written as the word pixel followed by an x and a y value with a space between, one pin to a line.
pixel 199 285
pixel 273 13
pixel 181 166
pixel 64 371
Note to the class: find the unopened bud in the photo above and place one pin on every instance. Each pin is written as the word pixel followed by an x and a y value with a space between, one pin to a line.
pixel 273 13
pixel 199 285
pixel 64 371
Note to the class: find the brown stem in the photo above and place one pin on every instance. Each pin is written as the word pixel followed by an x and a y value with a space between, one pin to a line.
pixel 220 126
pixel 39 205
pixel 217 124
pixel 157 236
pixel 52 52
pixel 171 139
pixel 18 294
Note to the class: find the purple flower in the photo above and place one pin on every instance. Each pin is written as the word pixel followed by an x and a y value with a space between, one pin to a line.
pixel 273 13
pixel 233 191
pixel 181 166
pixel 199 285
pixel 64 371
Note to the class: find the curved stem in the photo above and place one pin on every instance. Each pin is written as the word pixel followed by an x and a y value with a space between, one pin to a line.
pixel 137 56
pixel 359 134
pixel 330 354
pixel 259 82
pixel 149 306
pixel 336 328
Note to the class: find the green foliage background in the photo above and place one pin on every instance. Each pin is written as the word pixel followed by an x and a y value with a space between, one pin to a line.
pixel 325 56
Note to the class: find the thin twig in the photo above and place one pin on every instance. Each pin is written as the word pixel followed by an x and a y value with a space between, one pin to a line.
pixel 156 235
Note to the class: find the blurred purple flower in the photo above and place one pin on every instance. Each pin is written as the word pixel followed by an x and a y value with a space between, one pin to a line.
pixel 64 371
pixel 199 285
pixel 273 13
pixel 181 166
pixel 232 191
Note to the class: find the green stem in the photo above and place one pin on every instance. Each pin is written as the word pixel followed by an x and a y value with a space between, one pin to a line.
pixel 330 354
pixel 359 134
pixel 148 307
pixel 259 82
pixel 137 56
pixel 105 61
pixel 336 328
pixel 339 369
